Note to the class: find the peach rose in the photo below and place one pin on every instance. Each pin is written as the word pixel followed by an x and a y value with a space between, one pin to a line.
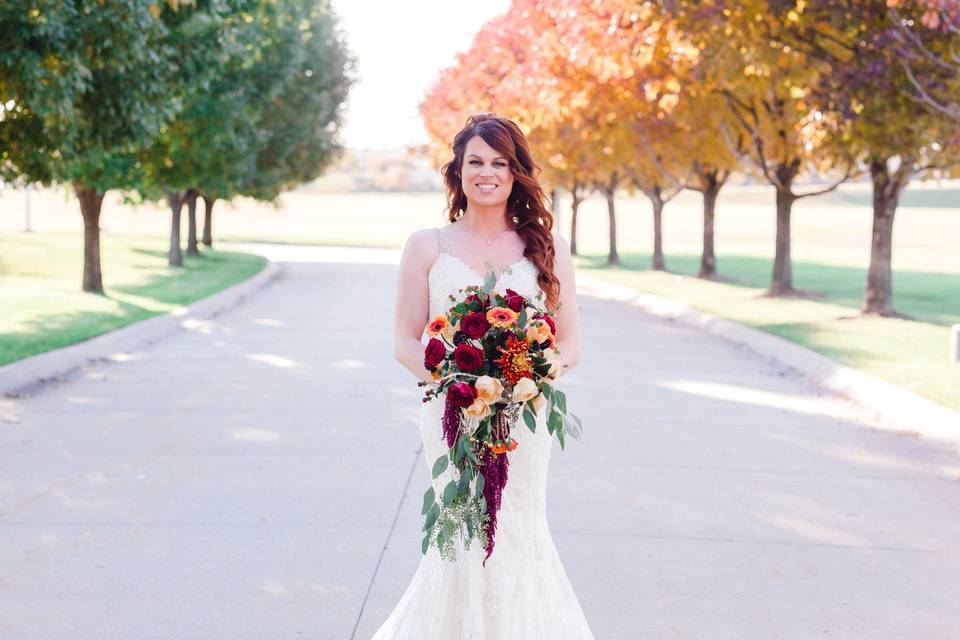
pixel 555 364
pixel 479 409
pixel 524 390
pixel 538 332
pixel 489 389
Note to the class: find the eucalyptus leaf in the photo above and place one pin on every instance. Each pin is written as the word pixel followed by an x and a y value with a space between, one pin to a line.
pixel 571 427
pixel 429 498
pixel 432 516
pixel 490 281
pixel 472 455
pixel 480 482
pixel 465 477
pixel 530 420
pixel 440 465
pixel 554 421
pixel 449 493
pixel 425 544
pixel 575 426
pixel 561 399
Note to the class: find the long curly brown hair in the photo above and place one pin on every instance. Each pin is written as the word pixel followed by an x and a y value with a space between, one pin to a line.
pixel 526 213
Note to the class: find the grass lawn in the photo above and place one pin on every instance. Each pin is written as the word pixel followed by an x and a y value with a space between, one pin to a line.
pixel 908 353
pixel 44 307
pixel 830 238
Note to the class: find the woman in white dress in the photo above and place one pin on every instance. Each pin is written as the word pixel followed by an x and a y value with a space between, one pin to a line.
pixel 497 220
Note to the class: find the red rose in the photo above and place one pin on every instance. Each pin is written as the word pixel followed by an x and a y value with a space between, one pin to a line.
pixel 474 324
pixel 484 303
pixel 434 353
pixel 461 394
pixel 514 300
pixel 468 357
pixel 548 320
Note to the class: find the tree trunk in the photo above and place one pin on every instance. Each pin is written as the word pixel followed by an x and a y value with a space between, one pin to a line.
pixel 782 282
pixel 878 295
pixel 208 220
pixel 708 259
pixel 91 201
pixel 613 257
pixel 574 208
pixel 657 262
pixel 174 256
pixel 555 206
pixel 191 200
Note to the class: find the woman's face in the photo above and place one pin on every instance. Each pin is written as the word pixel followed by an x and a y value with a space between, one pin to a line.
pixel 485 175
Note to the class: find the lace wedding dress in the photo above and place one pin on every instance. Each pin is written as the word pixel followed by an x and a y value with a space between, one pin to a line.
pixel 523 592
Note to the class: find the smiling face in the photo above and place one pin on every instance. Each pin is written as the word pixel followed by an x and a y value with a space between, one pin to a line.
pixel 485 176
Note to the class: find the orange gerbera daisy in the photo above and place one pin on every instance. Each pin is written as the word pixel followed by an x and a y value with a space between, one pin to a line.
pixel 438 324
pixel 501 317
pixel 515 361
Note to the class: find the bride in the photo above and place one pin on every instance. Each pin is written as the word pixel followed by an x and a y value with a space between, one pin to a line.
pixel 497 221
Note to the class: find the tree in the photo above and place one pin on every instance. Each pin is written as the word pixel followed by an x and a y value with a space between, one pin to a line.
pixel 765 84
pixel 927 33
pixel 85 84
pixel 868 95
pixel 202 37
pixel 263 110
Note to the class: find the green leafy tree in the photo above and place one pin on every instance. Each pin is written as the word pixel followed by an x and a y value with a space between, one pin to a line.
pixel 84 87
pixel 265 120
pixel 202 39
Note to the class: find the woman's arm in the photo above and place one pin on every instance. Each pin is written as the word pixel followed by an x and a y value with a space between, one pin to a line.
pixel 412 303
pixel 568 317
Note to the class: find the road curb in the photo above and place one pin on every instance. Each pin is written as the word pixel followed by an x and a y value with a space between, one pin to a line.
pixel 890 405
pixel 24 376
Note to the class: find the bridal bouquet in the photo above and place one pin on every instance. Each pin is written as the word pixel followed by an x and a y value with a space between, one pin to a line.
pixel 494 354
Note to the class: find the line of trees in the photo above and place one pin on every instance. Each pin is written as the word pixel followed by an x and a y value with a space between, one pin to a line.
pixel 658 97
pixel 169 101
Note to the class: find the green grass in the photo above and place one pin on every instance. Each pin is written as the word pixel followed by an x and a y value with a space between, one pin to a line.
pixel 44 307
pixel 909 353
pixel 830 248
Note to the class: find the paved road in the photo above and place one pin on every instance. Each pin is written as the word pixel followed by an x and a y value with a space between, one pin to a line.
pixel 259 476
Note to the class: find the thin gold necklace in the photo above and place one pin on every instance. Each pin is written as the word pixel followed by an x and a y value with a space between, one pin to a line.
pixel 489 242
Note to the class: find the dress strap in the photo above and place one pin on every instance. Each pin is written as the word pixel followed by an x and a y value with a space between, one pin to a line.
pixel 444 248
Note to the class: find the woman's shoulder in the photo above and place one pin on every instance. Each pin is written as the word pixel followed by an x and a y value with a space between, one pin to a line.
pixel 425 242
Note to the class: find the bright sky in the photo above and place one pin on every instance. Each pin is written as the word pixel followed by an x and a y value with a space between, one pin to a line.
pixel 400 48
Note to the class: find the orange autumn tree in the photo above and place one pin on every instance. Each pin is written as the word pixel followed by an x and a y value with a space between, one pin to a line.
pixel 596 56
pixel 472 84
pixel 765 84
pixel 692 142
pixel 503 71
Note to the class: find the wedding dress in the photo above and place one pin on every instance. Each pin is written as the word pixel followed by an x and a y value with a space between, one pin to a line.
pixel 523 592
